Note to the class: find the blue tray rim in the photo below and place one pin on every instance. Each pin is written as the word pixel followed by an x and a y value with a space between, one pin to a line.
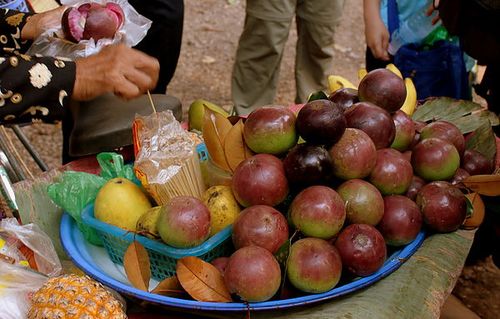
pixel 68 227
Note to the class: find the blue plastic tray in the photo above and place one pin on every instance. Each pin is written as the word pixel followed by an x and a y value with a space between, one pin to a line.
pixel 91 260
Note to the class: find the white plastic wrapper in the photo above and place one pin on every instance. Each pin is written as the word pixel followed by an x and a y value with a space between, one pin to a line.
pixel 52 42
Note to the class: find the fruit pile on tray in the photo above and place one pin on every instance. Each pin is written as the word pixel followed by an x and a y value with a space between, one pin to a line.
pixel 317 195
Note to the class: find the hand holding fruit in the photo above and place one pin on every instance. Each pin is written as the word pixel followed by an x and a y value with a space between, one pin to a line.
pixel 117 69
pixel 41 22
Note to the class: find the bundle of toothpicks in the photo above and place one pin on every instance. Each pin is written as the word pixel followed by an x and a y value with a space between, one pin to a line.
pixel 167 163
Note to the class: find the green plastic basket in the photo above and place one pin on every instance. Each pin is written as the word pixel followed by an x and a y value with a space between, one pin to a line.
pixel 163 258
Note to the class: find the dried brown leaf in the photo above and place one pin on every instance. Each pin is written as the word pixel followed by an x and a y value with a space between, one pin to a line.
pixel 170 287
pixel 248 151
pixel 202 280
pixel 488 185
pixel 234 146
pixel 223 126
pixel 212 140
pixel 137 266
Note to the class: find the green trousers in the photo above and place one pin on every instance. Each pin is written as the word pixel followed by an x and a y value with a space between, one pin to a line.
pixel 262 42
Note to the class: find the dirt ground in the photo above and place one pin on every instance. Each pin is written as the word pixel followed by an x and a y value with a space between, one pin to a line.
pixel 211 32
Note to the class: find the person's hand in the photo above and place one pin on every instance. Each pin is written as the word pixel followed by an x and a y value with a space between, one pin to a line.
pixel 433 7
pixel 377 38
pixel 118 69
pixel 41 22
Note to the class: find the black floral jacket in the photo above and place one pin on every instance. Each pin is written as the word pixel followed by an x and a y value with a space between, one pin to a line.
pixel 31 87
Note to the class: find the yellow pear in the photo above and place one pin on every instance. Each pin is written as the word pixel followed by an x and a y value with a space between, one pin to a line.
pixel 197 110
pixel 120 202
pixel 223 207
pixel 146 225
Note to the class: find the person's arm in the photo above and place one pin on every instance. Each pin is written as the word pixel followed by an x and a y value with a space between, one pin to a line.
pixel 18 29
pixel 11 24
pixel 34 88
pixel 38 23
pixel 38 88
pixel 376 33
pixel 434 6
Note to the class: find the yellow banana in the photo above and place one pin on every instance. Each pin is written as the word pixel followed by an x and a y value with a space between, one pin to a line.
pixel 336 82
pixel 394 69
pixel 361 73
pixel 411 97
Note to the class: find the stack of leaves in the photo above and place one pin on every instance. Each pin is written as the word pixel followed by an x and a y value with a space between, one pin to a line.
pixel 224 141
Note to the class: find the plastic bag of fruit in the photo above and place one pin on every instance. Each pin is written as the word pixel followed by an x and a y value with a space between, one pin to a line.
pixel 27 257
pixel 88 26
pixel 28 245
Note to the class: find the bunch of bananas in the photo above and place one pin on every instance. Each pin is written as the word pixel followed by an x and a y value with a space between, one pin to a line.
pixel 336 82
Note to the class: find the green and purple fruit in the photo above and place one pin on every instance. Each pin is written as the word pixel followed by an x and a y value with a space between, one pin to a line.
pixel 270 129
pixel 184 222
pixel 435 159
pixel 363 202
pixel 314 265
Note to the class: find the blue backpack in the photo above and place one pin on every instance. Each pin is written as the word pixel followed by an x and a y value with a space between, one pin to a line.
pixel 435 71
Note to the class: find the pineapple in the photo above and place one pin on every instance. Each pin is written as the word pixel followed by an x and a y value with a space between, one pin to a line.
pixel 71 296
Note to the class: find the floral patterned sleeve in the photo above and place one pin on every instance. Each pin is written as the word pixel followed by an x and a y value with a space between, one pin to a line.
pixel 11 24
pixel 31 87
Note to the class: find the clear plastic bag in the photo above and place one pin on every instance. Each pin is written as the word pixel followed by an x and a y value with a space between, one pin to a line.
pixel 52 42
pixel 15 238
pixel 167 163
pixel 17 283
pixel 22 246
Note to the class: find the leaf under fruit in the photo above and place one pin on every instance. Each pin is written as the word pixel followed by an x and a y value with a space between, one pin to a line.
pixel 235 147
pixel 213 141
pixel 488 185
pixel 169 287
pixel 466 115
pixel 483 141
pixel 202 280
pixel 223 126
pixel 137 266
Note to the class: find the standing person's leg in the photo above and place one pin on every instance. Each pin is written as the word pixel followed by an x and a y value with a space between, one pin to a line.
pixel 258 58
pixel 164 38
pixel 316 23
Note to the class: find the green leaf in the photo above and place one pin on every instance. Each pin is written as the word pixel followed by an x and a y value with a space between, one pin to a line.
pixel 470 208
pixel 471 122
pixel 320 95
pixel 483 141
pixel 444 107
pixel 466 115
pixel 282 254
pixel 282 257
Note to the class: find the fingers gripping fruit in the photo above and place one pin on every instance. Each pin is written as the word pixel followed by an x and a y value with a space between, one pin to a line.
pixel 92 20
